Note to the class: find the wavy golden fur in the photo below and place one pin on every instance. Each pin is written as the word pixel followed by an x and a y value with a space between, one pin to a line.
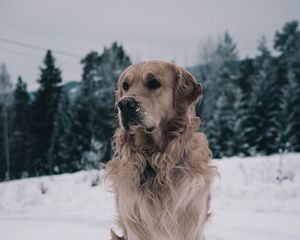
pixel 161 179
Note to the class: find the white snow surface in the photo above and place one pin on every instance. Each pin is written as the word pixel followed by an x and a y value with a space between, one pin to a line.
pixel 255 198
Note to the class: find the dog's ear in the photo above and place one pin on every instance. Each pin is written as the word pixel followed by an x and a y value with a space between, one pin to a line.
pixel 187 89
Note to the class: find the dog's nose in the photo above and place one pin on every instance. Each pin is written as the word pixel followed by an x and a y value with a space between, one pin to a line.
pixel 127 104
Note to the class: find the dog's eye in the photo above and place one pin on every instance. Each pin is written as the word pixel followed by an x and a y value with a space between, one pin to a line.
pixel 153 84
pixel 125 86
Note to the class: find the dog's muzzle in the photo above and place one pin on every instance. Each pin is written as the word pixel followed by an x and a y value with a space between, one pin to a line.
pixel 129 108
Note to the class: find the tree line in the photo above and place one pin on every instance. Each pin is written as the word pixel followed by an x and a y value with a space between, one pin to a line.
pixel 54 131
pixel 251 106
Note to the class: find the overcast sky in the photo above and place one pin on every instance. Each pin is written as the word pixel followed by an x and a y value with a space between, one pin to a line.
pixel 153 29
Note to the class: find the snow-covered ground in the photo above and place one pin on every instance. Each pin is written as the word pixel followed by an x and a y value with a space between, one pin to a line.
pixel 253 199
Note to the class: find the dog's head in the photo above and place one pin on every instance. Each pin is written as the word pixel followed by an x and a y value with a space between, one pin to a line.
pixel 151 94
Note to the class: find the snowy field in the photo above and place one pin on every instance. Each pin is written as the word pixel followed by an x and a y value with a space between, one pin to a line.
pixel 254 199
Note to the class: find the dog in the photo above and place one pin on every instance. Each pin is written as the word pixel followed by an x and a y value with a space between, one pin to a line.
pixel 161 172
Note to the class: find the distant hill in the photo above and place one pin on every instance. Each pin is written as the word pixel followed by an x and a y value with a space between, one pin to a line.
pixel 71 88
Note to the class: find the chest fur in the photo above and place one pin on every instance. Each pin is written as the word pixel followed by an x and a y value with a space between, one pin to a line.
pixel 169 215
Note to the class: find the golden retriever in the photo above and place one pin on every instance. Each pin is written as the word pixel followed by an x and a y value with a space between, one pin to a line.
pixel 161 172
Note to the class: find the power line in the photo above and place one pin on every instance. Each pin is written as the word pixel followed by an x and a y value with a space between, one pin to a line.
pixel 14 52
pixel 28 55
pixel 39 48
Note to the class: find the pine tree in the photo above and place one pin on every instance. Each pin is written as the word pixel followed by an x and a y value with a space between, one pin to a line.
pixel 287 42
pixel 5 101
pixel 58 154
pixel 94 118
pixel 260 116
pixel 246 122
pixel 221 127
pixel 44 107
pixel 21 136
pixel 112 62
pixel 82 112
pixel 269 89
pixel 2 152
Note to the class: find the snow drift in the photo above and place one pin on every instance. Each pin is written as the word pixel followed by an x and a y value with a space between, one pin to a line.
pixel 254 198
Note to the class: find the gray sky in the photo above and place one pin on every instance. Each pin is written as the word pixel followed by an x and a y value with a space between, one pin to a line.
pixel 153 29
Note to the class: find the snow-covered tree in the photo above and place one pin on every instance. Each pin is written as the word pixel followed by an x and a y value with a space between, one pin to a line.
pixel 269 88
pixel 83 111
pixel 44 108
pixel 260 116
pixel 219 124
pixel 112 62
pixel 287 42
pixel 58 154
pixel 87 139
pixel 5 102
pixel 21 138
pixel 245 121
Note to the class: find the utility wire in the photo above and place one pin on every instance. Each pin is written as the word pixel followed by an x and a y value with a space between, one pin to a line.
pixel 31 56
pixel 15 52
pixel 39 48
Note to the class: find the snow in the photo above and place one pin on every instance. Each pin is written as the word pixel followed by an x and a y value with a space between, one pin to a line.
pixel 254 198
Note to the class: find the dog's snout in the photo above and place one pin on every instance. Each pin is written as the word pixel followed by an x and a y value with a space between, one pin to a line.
pixel 128 111
pixel 127 104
